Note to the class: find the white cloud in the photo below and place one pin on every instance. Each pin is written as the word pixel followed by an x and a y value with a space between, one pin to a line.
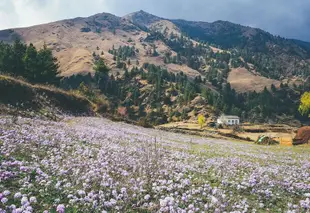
pixel 21 13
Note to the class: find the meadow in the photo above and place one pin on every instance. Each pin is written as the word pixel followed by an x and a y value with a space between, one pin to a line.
pixel 95 165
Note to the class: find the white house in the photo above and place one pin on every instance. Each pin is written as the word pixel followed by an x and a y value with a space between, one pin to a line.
pixel 228 120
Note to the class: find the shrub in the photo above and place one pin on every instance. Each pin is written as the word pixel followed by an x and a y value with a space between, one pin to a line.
pixel 85 29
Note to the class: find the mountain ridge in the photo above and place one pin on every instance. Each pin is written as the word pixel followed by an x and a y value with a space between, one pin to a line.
pixel 74 41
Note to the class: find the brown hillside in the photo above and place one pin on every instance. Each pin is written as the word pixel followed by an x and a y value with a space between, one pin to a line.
pixel 74 41
pixel 41 98
pixel 243 80
pixel 74 46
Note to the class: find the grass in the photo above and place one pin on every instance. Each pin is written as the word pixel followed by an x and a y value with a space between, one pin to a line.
pixel 41 97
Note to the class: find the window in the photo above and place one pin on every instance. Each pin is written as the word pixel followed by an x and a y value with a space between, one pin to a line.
pixel 233 122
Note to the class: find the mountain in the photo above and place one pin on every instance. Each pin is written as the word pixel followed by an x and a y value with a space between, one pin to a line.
pixel 275 57
pixel 163 69
pixel 74 41
pixel 142 18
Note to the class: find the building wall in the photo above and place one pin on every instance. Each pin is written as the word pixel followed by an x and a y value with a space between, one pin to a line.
pixel 228 121
pixel 232 121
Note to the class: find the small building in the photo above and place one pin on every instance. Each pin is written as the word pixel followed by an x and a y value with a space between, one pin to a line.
pixel 228 120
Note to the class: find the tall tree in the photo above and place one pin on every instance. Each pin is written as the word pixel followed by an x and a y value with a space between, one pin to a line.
pixel 11 58
pixel 47 67
pixel 304 107
pixel 40 66
pixel 18 51
pixel 101 74
pixel 30 61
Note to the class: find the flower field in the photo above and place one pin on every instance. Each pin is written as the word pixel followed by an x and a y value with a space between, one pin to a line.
pixel 96 165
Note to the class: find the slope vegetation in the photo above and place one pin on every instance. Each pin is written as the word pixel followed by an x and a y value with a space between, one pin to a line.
pixel 39 98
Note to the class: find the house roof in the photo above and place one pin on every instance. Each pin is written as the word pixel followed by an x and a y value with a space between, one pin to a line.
pixel 229 117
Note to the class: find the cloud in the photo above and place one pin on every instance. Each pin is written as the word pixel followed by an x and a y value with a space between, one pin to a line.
pixel 285 18
pixel 21 13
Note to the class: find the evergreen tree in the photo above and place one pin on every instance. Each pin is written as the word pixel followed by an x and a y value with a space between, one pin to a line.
pixel 101 67
pixel 30 61
pixel 47 67
pixel 101 75
pixel 18 51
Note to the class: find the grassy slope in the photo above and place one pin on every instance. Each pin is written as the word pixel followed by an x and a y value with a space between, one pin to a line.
pixel 39 97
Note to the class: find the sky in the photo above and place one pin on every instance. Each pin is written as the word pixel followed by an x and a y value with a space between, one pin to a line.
pixel 287 18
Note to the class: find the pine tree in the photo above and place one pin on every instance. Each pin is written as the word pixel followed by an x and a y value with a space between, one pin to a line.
pixel 101 74
pixel 126 75
pixel 30 61
pixel 18 52
pixel 22 60
pixel 6 62
pixel 47 67
pixel 100 67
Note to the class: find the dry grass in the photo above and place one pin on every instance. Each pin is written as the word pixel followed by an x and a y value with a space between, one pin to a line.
pixel 281 133
pixel 74 48
pixel 163 25
pixel 49 88
pixel 36 97
pixel 243 80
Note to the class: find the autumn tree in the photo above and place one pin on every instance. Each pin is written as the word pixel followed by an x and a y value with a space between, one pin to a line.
pixel 304 107
pixel 201 120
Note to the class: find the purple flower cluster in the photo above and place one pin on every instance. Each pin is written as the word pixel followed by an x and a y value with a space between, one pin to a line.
pixel 96 165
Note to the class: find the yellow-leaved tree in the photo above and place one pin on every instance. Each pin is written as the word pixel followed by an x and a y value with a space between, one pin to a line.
pixel 201 120
pixel 304 107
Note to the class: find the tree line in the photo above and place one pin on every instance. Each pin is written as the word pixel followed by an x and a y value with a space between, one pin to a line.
pixel 37 66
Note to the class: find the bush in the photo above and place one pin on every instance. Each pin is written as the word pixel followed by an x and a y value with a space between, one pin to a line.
pixel 103 106
pixel 265 140
pixel 237 129
pixel 85 29
pixel 144 123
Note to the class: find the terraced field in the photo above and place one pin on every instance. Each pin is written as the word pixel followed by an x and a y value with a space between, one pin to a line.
pixel 96 165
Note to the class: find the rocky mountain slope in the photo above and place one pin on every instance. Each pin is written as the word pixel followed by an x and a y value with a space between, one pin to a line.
pixel 265 58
